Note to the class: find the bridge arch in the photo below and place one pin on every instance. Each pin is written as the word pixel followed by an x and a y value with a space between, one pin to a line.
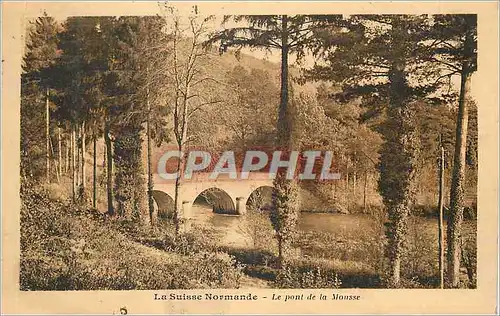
pixel 164 203
pixel 218 199
pixel 261 198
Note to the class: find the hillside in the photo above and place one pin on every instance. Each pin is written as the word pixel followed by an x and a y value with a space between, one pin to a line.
pixel 219 65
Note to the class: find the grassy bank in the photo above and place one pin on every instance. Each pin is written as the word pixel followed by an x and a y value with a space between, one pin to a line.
pixel 66 247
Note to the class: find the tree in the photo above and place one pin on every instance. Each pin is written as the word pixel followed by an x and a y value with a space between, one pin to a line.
pixel 106 30
pixel 100 55
pixel 140 105
pixel 372 57
pixel 129 115
pixel 39 58
pixel 187 83
pixel 80 76
pixel 289 35
pixel 349 136
pixel 154 51
pixel 454 47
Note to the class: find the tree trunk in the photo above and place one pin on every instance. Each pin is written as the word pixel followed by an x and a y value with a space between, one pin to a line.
pixel 73 162
pixel 67 162
pixel 177 203
pixel 109 169
pixel 455 217
pixel 354 182
pixel 179 216
pixel 346 184
pixel 94 175
pixel 283 127
pixel 440 207
pixel 399 156
pixel 334 192
pixel 59 145
pixel 78 165
pixel 286 199
pixel 364 191
pixel 54 162
pixel 346 188
pixel 150 174
pixel 84 175
pixel 47 134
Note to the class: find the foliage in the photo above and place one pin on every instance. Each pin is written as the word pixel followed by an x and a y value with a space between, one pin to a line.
pixel 381 77
pixel 469 253
pixel 41 54
pixel 32 122
pixel 356 247
pixel 133 36
pixel 186 243
pixel 284 215
pixel 130 188
pixel 257 227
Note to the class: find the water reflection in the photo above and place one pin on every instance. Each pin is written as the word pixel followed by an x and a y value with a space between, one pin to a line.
pixel 239 231
pixel 229 228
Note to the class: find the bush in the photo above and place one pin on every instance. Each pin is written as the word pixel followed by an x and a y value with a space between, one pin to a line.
pixel 421 261
pixel 186 243
pixel 354 274
pixel 258 230
pixel 253 256
pixel 469 253
pixel 304 278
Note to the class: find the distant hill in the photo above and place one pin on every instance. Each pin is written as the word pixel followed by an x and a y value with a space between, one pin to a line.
pixel 227 61
pixel 219 65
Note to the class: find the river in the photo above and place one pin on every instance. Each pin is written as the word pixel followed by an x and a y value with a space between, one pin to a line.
pixel 234 230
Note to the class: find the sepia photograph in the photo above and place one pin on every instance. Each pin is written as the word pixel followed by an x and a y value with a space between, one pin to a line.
pixel 187 149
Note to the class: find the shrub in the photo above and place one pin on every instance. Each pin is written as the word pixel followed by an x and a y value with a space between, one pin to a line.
pixel 354 274
pixel 186 243
pixel 253 256
pixel 258 230
pixel 302 278
pixel 469 253
pixel 212 270
pixel 420 263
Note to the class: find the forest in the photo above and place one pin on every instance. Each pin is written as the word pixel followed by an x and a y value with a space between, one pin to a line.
pixel 389 95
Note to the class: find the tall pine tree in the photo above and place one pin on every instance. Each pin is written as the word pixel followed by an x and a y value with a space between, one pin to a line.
pixel 40 56
pixel 289 35
pixel 454 48
pixel 372 57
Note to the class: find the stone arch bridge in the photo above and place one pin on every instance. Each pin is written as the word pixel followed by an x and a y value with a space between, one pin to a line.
pixel 224 194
